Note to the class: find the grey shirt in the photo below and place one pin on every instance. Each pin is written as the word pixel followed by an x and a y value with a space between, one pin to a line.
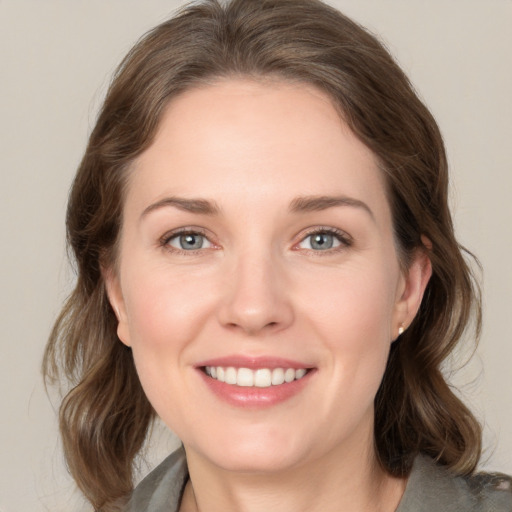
pixel 430 488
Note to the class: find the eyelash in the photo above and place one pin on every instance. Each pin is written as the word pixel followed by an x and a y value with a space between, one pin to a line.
pixel 342 237
pixel 164 241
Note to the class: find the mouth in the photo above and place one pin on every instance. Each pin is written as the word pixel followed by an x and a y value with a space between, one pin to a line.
pixel 257 378
pixel 255 382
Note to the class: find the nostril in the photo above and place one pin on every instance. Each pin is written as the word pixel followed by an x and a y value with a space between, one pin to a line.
pixel 252 328
pixel 254 313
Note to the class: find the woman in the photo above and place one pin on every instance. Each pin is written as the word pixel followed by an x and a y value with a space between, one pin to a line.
pixel 266 260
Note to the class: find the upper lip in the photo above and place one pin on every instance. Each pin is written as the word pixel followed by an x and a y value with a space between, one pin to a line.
pixel 253 363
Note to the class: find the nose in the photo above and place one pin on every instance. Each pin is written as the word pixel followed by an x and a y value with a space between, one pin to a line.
pixel 256 298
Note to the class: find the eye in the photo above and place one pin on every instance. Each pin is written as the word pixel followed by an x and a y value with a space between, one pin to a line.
pixel 189 241
pixel 324 240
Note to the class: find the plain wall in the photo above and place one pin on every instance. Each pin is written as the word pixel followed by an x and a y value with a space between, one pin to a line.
pixel 56 59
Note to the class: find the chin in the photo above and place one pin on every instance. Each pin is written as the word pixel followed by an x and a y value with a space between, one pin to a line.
pixel 252 454
pixel 257 461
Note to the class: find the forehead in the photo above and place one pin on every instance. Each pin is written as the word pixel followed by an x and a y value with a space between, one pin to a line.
pixel 255 140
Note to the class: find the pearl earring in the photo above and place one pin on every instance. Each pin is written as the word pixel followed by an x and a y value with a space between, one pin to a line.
pixel 401 330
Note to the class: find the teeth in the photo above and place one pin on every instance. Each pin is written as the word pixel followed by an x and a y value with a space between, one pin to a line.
pixel 289 375
pixel 260 378
pixel 298 373
pixel 263 378
pixel 245 377
pixel 230 376
pixel 277 376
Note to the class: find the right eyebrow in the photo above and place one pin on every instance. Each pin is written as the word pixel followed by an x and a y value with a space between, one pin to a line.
pixel 192 205
pixel 319 203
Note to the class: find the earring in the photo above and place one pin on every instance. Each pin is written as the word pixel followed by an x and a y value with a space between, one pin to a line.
pixel 401 330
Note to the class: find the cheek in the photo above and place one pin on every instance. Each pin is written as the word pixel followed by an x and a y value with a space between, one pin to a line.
pixel 165 308
pixel 356 302
pixel 166 312
pixel 353 318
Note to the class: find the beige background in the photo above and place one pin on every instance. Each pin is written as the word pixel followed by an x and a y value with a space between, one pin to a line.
pixel 55 60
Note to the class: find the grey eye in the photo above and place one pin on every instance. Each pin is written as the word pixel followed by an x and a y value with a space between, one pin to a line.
pixel 189 242
pixel 321 241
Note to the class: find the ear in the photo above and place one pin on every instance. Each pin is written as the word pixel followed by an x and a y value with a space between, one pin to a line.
pixel 116 299
pixel 411 289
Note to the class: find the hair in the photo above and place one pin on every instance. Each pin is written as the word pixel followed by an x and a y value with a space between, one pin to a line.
pixel 105 415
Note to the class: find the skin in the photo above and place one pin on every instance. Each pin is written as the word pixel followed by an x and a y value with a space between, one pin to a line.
pixel 258 287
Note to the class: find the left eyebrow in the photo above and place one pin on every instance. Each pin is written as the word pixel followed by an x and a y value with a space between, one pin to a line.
pixel 192 205
pixel 319 203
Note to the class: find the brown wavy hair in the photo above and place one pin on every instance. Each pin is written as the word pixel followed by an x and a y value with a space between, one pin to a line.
pixel 105 416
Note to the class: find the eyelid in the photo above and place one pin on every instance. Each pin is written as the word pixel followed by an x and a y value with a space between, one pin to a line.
pixel 342 236
pixel 163 241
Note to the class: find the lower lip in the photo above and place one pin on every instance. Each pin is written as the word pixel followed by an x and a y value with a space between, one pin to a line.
pixel 254 397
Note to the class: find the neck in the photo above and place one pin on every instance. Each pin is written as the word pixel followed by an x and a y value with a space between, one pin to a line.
pixel 339 480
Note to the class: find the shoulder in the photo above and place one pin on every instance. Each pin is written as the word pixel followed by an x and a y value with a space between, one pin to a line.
pixel 433 487
pixel 161 490
pixel 493 490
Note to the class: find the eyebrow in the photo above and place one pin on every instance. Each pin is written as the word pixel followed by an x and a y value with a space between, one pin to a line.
pixel 298 205
pixel 319 203
pixel 199 206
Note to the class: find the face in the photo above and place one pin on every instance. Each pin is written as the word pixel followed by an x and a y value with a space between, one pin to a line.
pixel 257 249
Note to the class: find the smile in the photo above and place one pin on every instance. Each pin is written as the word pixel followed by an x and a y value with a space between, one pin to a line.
pixel 259 378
